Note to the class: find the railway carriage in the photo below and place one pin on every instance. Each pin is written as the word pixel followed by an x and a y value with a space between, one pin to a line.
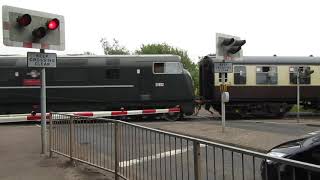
pixel 83 83
pixel 262 86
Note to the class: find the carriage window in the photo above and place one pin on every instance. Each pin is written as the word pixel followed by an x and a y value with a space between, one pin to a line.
pixel 240 75
pixel 112 73
pixel 303 79
pixel 71 75
pixel 267 75
pixel 167 68
pixel 220 77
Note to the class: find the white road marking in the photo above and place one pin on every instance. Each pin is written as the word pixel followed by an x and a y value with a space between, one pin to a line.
pixel 156 156
pixel 265 122
pixel 26 126
pixel 314 133
pixel 38 125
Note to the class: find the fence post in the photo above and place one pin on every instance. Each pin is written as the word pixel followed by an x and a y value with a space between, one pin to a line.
pixel 71 138
pixel 196 158
pixel 116 149
pixel 50 135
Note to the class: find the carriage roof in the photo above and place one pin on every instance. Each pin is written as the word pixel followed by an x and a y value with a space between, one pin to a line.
pixel 274 60
pixel 92 60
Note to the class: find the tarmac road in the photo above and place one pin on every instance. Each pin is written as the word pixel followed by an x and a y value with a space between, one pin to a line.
pixel 279 126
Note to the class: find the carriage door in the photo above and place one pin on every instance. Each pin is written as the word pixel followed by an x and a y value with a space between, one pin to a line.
pixel 145 81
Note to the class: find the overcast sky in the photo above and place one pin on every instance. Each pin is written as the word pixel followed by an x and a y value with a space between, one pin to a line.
pixel 285 28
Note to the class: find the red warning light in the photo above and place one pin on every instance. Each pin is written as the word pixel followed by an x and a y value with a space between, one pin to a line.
pixel 24 20
pixel 53 24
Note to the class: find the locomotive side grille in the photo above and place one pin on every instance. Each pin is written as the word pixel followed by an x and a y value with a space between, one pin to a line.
pixel 73 62
pixel 5 63
pixel 113 62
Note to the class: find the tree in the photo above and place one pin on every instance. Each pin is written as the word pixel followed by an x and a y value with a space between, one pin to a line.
pixel 167 49
pixel 113 48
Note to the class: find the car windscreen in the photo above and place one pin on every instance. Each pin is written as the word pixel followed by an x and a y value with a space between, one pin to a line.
pixel 311 140
pixel 291 144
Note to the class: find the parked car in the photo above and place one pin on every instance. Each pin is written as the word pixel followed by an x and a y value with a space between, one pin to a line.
pixel 305 150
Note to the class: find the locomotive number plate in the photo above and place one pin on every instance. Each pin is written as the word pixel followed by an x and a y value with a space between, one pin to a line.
pixel 223 67
pixel 36 59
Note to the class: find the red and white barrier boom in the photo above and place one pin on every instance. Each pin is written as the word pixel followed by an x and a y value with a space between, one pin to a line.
pixel 37 117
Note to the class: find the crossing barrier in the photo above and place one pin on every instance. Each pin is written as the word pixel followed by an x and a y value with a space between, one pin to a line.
pixel 37 117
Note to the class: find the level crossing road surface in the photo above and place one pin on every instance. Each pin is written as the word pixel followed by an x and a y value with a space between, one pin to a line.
pixel 280 126
pixel 148 155
pixel 275 127
pixel 260 135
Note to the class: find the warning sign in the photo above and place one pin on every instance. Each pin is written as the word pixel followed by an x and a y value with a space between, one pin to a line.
pixel 223 87
pixel 223 67
pixel 36 59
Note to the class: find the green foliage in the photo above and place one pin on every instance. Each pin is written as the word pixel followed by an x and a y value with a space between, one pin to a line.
pixel 167 49
pixel 113 48
pixel 302 109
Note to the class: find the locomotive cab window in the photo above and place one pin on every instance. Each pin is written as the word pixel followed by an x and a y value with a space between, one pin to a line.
pixel 225 77
pixel 305 78
pixel 240 75
pixel 158 68
pixel 267 75
pixel 167 68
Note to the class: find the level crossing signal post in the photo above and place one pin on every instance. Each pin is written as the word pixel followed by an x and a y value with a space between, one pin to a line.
pixel 228 48
pixel 40 30
pixel 301 72
pixel 298 94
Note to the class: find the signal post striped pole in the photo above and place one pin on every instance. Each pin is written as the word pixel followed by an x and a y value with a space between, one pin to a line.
pixel 43 110
pixel 223 110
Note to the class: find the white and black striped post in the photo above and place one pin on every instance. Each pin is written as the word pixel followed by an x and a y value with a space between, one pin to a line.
pixel 298 95
pixel 43 110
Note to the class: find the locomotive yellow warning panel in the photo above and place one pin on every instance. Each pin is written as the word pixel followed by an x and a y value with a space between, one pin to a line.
pixel 224 87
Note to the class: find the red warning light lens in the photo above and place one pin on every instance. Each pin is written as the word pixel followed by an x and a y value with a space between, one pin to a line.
pixel 24 20
pixel 53 24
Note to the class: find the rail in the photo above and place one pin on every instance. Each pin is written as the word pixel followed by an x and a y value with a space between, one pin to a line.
pixel 132 151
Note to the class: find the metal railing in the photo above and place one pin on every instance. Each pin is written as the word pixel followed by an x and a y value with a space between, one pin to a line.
pixel 132 151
